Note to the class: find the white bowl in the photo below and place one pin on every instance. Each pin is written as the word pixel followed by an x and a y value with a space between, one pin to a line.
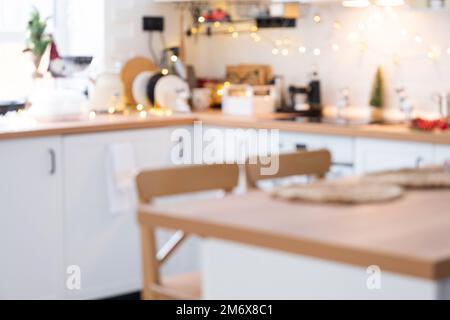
pixel 58 104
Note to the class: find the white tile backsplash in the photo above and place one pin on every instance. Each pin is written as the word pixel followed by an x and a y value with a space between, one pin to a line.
pixel 350 66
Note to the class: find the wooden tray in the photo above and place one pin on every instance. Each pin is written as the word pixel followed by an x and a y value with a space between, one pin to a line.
pixel 340 193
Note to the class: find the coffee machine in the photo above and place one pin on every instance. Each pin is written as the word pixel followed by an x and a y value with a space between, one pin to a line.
pixel 306 100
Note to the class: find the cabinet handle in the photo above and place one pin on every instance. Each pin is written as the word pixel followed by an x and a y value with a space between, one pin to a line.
pixel 343 164
pixel 52 161
pixel 419 162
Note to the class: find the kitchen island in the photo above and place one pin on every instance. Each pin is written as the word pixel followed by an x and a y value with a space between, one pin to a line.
pixel 266 248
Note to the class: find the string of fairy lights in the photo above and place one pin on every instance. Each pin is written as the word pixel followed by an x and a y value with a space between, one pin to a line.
pixel 355 38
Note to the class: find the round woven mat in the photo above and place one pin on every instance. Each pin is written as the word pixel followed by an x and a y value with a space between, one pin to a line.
pixel 426 178
pixel 340 193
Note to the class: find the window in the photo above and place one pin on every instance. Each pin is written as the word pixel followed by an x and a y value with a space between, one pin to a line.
pixel 15 66
pixel 77 26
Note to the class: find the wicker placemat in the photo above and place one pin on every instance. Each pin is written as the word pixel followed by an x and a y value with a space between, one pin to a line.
pixel 340 192
pixel 424 178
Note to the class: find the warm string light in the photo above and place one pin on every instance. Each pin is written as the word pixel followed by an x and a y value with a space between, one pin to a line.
pixel 284 47
pixel 317 18
pixel 92 115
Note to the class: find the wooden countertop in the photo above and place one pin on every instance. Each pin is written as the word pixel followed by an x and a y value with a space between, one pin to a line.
pixel 409 236
pixel 99 124
pixel 376 131
pixel 116 122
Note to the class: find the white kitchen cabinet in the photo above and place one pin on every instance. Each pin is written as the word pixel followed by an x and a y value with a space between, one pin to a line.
pixel 106 247
pixel 31 219
pixel 341 148
pixel 442 154
pixel 377 155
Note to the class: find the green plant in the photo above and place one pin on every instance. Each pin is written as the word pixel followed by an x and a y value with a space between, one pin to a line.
pixel 377 95
pixel 36 38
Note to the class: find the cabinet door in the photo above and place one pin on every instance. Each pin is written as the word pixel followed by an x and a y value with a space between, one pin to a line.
pixel 106 247
pixel 341 149
pixel 377 155
pixel 31 219
pixel 442 154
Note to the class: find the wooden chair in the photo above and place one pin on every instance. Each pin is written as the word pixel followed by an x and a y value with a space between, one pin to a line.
pixel 167 182
pixel 305 163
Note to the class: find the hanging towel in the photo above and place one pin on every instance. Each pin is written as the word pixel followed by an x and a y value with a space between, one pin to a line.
pixel 120 175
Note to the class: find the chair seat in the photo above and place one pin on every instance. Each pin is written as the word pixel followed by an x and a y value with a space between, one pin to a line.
pixel 180 287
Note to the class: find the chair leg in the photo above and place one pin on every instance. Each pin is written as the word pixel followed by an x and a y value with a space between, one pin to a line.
pixel 150 267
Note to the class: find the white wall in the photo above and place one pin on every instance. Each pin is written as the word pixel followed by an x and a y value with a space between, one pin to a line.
pixel 124 35
pixel 350 66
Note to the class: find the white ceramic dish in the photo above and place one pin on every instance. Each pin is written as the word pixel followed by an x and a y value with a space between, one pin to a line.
pixel 172 92
pixel 140 88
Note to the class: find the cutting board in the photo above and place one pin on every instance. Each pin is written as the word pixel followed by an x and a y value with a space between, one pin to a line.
pixel 255 75
pixel 130 71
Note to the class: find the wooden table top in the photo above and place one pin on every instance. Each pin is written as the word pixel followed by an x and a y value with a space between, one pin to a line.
pixel 409 236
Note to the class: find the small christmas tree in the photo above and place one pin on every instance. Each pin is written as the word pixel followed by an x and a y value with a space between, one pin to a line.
pixel 377 95
pixel 37 39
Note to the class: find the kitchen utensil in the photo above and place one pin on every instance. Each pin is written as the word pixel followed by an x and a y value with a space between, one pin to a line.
pixel 11 105
pixel 443 102
pixel 140 88
pixel 279 84
pixel 406 106
pixel 191 76
pixel 130 71
pixel 106 87
pixel 307 100
pixel 201 98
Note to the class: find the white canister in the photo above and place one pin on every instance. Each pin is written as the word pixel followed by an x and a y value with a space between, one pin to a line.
pixel 201 98
pixel 105 90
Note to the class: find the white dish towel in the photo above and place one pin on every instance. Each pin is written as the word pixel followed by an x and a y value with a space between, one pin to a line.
pixel 120 176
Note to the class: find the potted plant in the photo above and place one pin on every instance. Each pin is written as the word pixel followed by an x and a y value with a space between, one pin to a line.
pixel 377 96
pixel 37 40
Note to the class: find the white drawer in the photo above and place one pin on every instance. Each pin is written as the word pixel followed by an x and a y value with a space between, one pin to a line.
pixel 442 153
pixel 377 155
pixel 341 148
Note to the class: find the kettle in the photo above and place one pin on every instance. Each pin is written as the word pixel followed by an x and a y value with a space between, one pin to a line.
pixel 105 91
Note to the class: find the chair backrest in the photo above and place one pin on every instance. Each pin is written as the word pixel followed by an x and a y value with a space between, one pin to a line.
pixel 316 163
pixel 186 179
